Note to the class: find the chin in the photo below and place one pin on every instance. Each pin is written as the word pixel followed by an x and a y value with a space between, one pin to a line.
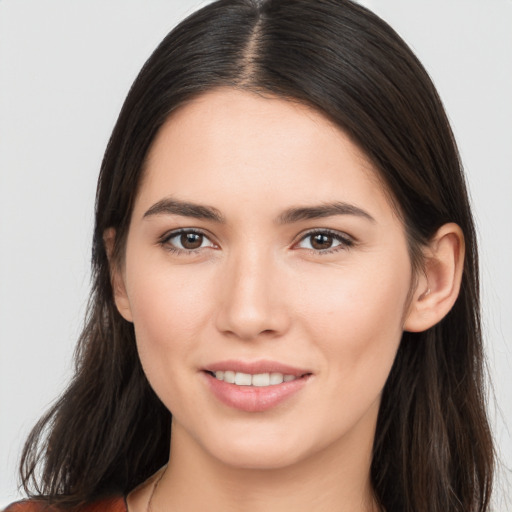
pixel 262 458
pixel 260 450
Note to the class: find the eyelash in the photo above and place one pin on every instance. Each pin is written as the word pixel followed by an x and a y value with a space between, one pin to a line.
pixel 165 241
pixel 345 242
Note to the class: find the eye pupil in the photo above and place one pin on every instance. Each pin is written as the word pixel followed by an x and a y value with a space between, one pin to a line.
pixel 191 240
pixel 321 241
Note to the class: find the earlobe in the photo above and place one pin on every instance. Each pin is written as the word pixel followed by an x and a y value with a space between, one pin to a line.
pixel 116 276
pixel 438 288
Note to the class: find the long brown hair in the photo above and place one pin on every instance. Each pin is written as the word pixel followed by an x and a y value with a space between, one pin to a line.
pixel 433 449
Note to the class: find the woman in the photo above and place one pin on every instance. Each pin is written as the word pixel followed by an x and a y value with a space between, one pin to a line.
pixel 284 260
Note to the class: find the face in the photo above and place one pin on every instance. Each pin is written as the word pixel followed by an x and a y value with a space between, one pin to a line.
pixel 263 249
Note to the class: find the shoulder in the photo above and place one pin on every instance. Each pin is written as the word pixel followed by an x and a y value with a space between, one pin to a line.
pixel 116 504
pixel 26 506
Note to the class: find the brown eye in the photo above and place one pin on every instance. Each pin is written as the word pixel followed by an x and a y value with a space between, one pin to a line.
pixel 186 241
pixel 321 241
pixel 325 241
pixel 191 240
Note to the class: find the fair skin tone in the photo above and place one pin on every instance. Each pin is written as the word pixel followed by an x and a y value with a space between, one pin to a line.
pixel 292 261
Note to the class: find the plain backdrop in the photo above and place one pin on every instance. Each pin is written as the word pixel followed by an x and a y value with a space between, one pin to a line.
pixel 65 68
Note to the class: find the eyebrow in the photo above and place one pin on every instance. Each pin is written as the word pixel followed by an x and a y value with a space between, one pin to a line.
pixel 324 210
pixel 170 206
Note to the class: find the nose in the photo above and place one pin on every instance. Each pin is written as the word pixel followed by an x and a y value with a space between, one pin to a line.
pixel 252 301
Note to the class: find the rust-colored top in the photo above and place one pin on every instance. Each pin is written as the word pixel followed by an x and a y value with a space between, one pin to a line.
pixel 117 504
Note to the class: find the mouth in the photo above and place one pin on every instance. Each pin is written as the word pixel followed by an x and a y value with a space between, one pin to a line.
pixel 256 386
pixel 260 380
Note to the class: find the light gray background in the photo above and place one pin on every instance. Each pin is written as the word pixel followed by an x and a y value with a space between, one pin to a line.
pixel 65 68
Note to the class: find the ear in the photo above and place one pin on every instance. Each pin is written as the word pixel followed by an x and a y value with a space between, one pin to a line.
pixel 438 288
pixel 116 276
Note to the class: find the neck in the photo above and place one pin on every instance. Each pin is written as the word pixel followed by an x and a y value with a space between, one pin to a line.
pixel 335 479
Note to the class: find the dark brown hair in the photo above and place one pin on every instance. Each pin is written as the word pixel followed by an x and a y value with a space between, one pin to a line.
pixel 433 450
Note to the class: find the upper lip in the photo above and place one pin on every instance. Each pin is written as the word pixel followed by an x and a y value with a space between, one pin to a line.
pixel 255 367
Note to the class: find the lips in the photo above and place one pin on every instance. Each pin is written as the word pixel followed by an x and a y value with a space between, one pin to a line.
pixel 258 379
pixel 255 386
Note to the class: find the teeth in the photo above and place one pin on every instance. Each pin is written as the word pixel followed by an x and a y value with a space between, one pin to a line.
pixel 229 376
pixel 243 379
pixel 276 378
pixel 257 380
pixel 261 379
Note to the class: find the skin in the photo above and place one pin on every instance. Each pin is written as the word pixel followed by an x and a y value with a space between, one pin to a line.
pixel 257 288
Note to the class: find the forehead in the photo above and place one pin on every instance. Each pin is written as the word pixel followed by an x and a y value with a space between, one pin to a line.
pixel 238 145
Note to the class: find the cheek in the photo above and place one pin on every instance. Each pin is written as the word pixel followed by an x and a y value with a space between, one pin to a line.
pixel 357 319
pixel 166 299
pixel 356 325
pixel 169 309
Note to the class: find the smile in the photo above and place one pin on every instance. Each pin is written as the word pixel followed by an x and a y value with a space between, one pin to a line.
pixel 254 386
pixel 257 380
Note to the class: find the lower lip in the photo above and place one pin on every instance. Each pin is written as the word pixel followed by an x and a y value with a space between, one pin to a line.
pixel 254 398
